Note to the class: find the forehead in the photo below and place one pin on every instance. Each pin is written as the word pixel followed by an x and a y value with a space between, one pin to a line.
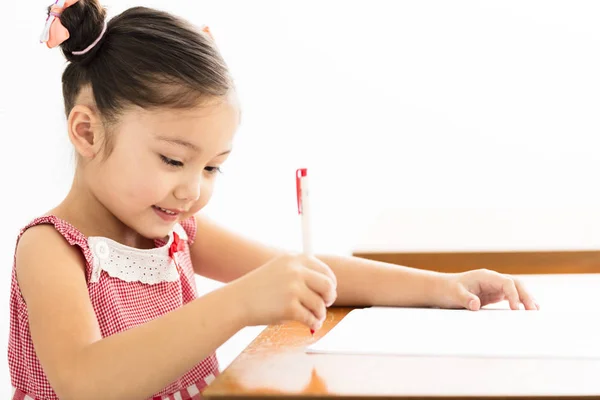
pixel 215 120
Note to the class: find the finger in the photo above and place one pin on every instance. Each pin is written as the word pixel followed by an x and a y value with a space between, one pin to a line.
pixel 525 296
pixel 306 316
pixel 313 302
pixel 319 266
pixel 468 300
pixel 321 285
pixel 511 293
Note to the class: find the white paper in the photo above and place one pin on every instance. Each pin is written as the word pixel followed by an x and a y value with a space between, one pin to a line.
pixel 484 333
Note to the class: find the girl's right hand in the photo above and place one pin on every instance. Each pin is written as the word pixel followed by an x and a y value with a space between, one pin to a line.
pixel 289 287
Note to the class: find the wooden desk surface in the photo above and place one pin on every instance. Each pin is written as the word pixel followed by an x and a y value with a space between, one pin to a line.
pixel 275 364
pixel 514 262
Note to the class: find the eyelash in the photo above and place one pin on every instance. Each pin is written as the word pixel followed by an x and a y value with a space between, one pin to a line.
pixel 171 162
pixel 213 170
pixel 179 164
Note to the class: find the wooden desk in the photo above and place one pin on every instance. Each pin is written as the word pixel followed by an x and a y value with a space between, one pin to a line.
pixel 507 262
pixel 275 364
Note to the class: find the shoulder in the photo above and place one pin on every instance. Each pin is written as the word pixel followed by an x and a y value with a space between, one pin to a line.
pixel 42 254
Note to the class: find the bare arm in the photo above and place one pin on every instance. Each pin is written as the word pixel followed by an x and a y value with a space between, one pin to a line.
pixel 134 364
pixel 222 255
pixel 225 256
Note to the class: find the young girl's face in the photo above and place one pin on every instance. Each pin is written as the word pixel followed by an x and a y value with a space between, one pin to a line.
pixel 163 164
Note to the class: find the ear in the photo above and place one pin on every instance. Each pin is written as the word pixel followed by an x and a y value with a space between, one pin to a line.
pixel 86 131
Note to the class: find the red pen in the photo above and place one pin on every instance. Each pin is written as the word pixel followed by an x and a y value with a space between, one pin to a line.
pixel 304 212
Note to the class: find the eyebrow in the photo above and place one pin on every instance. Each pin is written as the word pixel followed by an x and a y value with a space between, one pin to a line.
pixel 179 142
pixel 185 143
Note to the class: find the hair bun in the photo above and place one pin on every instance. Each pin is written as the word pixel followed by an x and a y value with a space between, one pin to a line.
pixel 85 21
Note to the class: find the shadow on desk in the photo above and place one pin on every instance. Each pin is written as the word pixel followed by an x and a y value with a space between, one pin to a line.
pixel 517 262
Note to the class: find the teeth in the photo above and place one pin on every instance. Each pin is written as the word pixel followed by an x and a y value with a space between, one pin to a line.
pixel 165 211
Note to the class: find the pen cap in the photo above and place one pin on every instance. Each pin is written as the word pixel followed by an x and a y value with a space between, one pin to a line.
pixel 301 173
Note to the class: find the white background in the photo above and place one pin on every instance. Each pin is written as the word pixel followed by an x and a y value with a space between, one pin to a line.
pixel 425 124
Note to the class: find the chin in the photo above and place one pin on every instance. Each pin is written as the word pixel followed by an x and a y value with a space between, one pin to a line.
pixel 163 232
pixel 156 232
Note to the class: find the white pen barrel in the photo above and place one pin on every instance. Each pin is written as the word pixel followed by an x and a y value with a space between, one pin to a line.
pixel 306 228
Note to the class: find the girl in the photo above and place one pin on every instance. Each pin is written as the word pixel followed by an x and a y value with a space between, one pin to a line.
pixel 103 300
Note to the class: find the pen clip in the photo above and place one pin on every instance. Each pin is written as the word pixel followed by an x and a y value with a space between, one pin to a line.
pixel 300 173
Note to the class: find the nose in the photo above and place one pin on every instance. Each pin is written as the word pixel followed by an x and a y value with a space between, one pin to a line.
pixel 189 190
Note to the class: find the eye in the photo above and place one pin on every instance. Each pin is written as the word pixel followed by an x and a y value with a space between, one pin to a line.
pixel 213 170
pixel 170 161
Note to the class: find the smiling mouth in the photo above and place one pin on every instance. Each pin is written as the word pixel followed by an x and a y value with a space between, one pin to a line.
pixel 166 211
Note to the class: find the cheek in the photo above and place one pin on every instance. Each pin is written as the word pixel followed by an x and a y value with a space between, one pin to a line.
pixel 134 180
pixel 144 190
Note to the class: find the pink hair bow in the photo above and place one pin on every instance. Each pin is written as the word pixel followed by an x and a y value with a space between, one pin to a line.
pixel 54 32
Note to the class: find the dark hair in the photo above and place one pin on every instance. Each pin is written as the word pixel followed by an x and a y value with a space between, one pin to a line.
pixel 146 57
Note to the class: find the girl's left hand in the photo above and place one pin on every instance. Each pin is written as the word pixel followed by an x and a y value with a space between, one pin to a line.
pixel 474 289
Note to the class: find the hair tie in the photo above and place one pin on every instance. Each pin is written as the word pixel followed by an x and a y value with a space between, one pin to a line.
pixel 95 42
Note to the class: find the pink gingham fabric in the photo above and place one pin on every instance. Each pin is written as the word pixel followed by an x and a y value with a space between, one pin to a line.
pixel 119 306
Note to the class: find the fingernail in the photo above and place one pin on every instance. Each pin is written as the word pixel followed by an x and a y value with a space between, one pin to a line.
pixel 472 304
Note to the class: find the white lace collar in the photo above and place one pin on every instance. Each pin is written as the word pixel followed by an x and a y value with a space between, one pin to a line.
pixel 150 266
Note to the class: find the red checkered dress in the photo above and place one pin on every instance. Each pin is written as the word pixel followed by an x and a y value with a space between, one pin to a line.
pixel 120 304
